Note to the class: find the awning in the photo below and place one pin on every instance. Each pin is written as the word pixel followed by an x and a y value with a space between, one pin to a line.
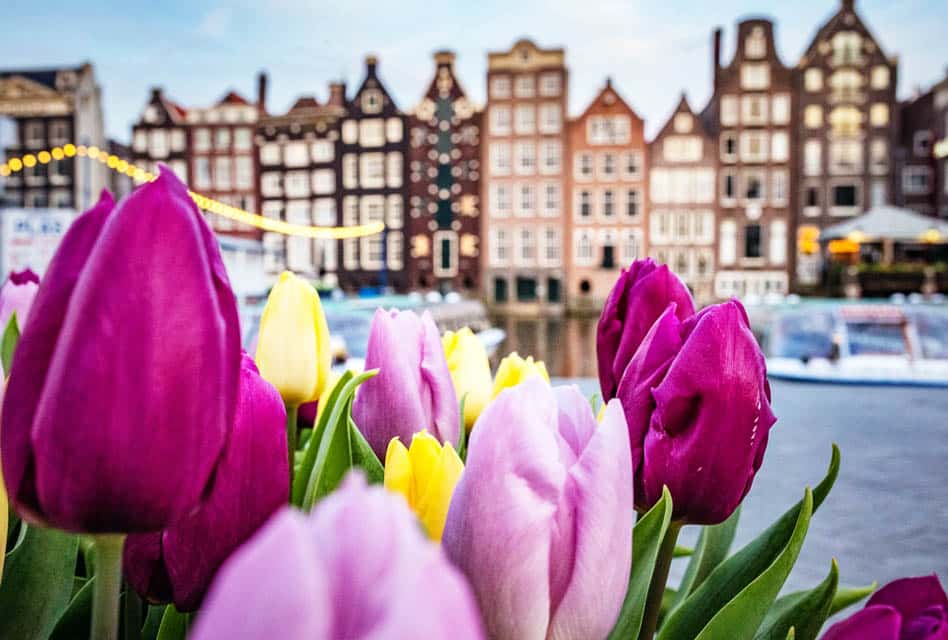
pixel 889 223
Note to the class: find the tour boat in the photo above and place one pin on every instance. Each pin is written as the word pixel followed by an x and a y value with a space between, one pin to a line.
pixel 860 344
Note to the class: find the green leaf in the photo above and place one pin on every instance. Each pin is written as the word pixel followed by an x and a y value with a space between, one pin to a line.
pixel 730 577
pixel 174 625
pixel 647 539
pixel 740 618
pixel 11 336
pixel 667 599
pixel 847 597
pixel 714 542
pixel 363 456
pixel 803 611
pixel 682 551
pixel 595 402
pixel 153 622
pixel 37 582
pixel 75 620
pixel 131 620
pixel 462 434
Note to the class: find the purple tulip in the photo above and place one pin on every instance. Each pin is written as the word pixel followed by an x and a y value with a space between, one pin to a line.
pixel 697 403
pixel 413 389
pixel 541 520
pixel 639 296
pixel 17 296
pixel 906 609
pixel 251 482
pixel 124 383
pixel 332 575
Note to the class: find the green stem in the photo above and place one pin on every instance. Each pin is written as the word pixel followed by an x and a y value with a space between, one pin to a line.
pixel 653 602
pixel 107 586
pixel 291 433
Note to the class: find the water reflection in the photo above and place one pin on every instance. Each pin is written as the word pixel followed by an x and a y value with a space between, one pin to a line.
pixel 566 345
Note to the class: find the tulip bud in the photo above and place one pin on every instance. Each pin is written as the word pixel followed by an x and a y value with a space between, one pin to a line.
pixel 906 609
pixel 124 382
pixel 251 482
pixel 413 389
pixel 17 296
pixel 697 404
pixel 357 567
pixel 293 344
pixel 639 296
pixel 513 370
pixel 426 474
pixel 541 520
pixel 470 371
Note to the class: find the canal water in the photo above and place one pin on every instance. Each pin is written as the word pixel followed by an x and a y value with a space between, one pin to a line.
pixel 887 516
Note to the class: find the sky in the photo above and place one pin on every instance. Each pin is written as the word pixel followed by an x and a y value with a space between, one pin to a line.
pixel 198 50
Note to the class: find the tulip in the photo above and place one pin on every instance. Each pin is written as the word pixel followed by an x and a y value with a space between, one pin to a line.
pixel 124 382
pixel 470 371
pixel 541 520
pixel 356 567
pixel 293 344
pixel 17 296
pixel 513 370
pixel 426 474
pixel 697 404
pixel 251 482
pixel 640 295
pixel 906 609
pixel 413 389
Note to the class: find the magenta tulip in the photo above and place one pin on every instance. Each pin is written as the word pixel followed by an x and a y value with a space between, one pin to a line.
pixel 541 520
pixel 906 609
pixel 17 296
pixel 697 403
pixel 358 567
pixel 639 296
pixel 251 482
pixel 413 389
pixel 124 383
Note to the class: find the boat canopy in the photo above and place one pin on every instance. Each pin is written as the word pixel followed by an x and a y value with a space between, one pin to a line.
pixel 889 223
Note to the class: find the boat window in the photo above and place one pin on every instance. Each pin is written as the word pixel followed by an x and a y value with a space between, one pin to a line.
pixel 932 331
pixel 873 338
pixel 802 335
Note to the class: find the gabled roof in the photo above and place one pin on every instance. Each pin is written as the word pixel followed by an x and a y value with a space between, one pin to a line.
pixel 444 75
pixel 682 107
pixel 838 22
pixel 372 81
pixel 607 87
pixel 233 97
pixel 303 103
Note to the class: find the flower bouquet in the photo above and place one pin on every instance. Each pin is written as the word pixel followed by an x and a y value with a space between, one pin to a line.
pixel 163 484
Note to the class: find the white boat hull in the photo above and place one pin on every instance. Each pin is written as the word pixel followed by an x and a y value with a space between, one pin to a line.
pixel 868 370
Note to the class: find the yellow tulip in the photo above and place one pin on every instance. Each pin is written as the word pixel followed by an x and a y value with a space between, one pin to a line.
pixel 470 371
pixel 293 351
pixel 513 370
pixel 426 474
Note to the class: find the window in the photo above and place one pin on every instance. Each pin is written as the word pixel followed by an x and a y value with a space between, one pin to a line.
pixel 779 146
pixel 633 203
pixel 297 184
pixel 371 101
pixel 813 79
pixel 812 157
pixel 755 76
pixel 372 132
pixel 846 86
pixel 845 156
pixel 729 187
pixel 350 132
pixel 754 146
pixel 350 171
pixel 682 149
pixel 584 248
pixel 551 199
pixel 916 180
pixel 683 123
pixel 270 154
pixel 633 165
pixel 500 120
pixel 394 212
pixel 59 133
pixel 222 168
pixel 524 87
pixel 158 144
pixel 500 87
pixel 878 193
pixel 811 201
pixel 526 158
pixel 727 248
pixel 243 139
pixel 703 225
pixel 269 182
pixel 324 181
pixel 584 166
pixel 847 48
pixel 778 195
pixel 729 146
pixel 607 166
pixel 608 203
pixel 243 172
pixel 527 200
pixel 660 183
pixel 703 180
pixel 500 200
pixel 202 139
pixel 754 109
pixel 325 212
pixel 585 204
pixel 322 151
pixel 778 242
pixel 222 139
pixel 525 120
pixel 550 85
pixel 879 155
pixel 922 143
pixel 879 114
pixel 813 116
pixel 551 157
pixel 394 130
pixel 752 243
pixel 34 135
pixel 845 121
pixel 630 247
pixel 552 253
pixel 296 154
pixel 844 195
pixel 393 169
pixel 350 211
pixel 608 130
pixel 202 175
pixel 140 141
pixel 780 108
pixel 729 110
pixel 499 247
pixel 880 77
pixel 372 170
pixel 550 121
pixel 755 45
pixel 527 248
pixel 500 158
pixel 753 186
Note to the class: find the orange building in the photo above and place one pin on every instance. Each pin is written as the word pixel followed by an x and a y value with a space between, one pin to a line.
pixel 606 180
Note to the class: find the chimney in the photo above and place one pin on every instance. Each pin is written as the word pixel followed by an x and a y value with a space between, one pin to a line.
pixel 262 92
pixel 608 82
pixel 156 94
pixel 371 61
pixel 337 94
pixel 444 58
pixel 716 49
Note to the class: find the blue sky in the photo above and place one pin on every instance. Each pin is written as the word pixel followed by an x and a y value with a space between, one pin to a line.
pixel 653 50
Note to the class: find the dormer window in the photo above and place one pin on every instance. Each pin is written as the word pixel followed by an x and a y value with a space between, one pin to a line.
pixel 683 123
pixel 755 46
pixel 372 101
pixel 847 48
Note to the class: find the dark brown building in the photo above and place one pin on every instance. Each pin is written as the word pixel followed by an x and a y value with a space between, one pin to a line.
pixel 751 115
pixel 444 179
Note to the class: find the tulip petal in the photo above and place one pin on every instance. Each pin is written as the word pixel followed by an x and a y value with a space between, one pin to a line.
pixel 470 371
pixel 35 350
pixel 445 412
pixel 910 596
pixel 435 497
pixel 878 623
pixel 398 473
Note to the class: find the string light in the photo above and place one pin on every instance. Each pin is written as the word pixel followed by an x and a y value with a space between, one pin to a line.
pixel 119 165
